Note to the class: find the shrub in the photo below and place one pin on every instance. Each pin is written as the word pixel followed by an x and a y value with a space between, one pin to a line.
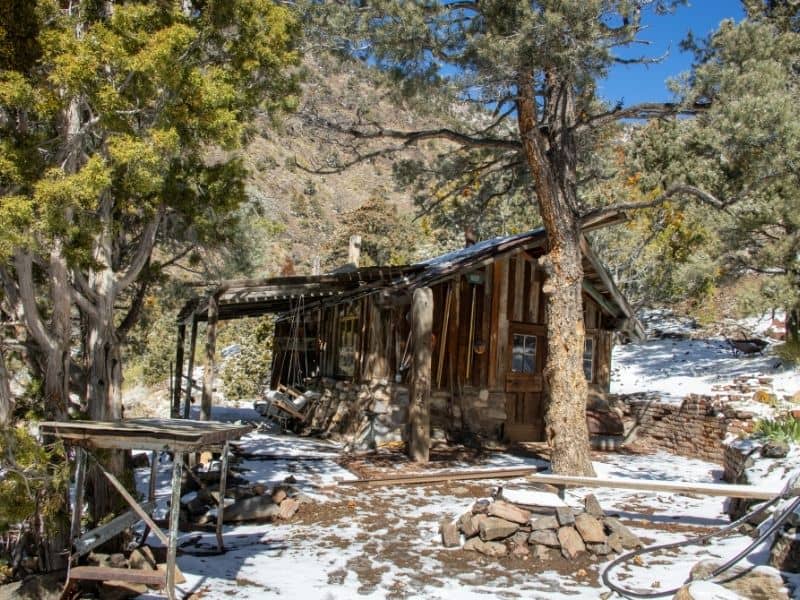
pixel 786 429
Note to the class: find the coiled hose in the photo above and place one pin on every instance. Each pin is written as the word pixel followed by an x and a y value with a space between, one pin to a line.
pixel 701 540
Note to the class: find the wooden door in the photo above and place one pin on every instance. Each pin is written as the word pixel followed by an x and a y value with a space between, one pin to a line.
pixel 523 385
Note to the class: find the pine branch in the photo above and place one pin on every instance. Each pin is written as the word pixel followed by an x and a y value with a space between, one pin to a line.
pixel 643 111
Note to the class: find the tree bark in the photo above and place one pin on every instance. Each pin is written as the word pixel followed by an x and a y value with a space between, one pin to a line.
pixel 6 400
pixel 552 161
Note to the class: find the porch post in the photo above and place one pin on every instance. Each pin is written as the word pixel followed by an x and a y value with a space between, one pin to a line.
pixel 187 407
pixel 419 408
pixel 211 345
pixel 176 390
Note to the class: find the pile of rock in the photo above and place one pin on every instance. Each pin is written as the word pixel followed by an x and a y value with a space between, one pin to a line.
pixel 499 528
pixel 243 501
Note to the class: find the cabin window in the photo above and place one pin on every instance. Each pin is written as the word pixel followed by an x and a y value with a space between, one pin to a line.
pixel 588 358
pixel 523 353
pixel 348 340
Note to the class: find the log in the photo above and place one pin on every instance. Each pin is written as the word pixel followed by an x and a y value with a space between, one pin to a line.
pixel 211 346
pixel 419 409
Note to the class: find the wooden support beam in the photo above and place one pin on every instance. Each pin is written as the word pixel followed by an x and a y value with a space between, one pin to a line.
pixel 519 287
pixel 80 486
pixel 136 507
pixel 443 336
pixel 419 409
pixel 649 485
pixel 595 294
pixel 174 516
pixel 223 482
pixel 177 388
pixel 465 475
pixel 187 407
pixel 211 346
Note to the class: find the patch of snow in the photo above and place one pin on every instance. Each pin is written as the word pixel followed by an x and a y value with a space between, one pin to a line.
pixel 532 497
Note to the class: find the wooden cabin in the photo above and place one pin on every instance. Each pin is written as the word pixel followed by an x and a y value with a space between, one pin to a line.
pixel 349 335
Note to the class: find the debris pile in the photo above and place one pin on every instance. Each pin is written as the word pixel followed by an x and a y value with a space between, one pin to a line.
pixel 499 527
pixel 243 501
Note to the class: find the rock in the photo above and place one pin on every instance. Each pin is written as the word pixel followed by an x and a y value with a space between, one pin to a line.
pixel 470 524
pixel 290 479
pixel 615 543
pixel 592 506
pixel 625 536
pixel 287 508
pixel 494 528
pixel 118 561
pixel 518 543
pixel 509 512
pixel 571 543
pixel 541 552
pixel 546 522
pixel 564 515
pixel 259 489
pixel 705 590
pixel 179 576
pixel 599 549
pixel 775 449
pixel 278 495
pixel 486 548
pixel 590 528
pixel 481 506
pixel 48 586
pixel 785 553
pixel 760 582
pixel 545 537
pixel 121 590
pixel 142 558
pixel 450 535
pixel 257 508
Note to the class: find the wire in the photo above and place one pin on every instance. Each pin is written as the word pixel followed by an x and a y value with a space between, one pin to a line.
pixel 697 541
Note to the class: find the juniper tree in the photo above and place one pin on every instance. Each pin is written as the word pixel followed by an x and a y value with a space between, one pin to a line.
pixel 520 78
pixel 108 111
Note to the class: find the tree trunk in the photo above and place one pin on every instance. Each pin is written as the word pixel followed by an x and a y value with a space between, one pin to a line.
pixel 6 401
pixel 553 165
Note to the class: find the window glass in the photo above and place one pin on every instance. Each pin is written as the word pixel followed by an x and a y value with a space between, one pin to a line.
pixel 523 353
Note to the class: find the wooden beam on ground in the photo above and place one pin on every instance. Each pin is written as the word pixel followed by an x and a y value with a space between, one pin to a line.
pixel 211 346
pixel 100 535
pixel 444 476
pixel 419 409
pixel 648 485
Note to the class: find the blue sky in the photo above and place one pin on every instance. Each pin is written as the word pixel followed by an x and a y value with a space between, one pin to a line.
pixel 640 83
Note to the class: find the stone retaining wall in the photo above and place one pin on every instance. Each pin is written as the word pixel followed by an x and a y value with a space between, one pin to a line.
pixel 695 427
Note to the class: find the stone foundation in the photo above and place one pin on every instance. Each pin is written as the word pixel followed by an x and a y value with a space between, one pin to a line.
pixel 697 427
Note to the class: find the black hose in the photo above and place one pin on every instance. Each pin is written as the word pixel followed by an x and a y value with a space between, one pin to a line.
pixel 696 541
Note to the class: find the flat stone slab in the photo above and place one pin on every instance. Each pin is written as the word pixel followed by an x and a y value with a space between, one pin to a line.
pixel 565 515
pixel 546 522
pixel 494 528
pixel 571 543
pixel 545 537
pixel 509 512
pixel 486 548
pixel 590 528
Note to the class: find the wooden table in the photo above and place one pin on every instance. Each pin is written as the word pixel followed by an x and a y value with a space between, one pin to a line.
pixel 178 436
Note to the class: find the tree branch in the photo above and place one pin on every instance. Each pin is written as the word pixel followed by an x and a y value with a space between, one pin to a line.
pixel 25 300
pixel 645 110
pixel 142 254
pixel 675 190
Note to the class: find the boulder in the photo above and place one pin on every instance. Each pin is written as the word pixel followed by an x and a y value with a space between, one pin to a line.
pixel 287 509
pixel 564 515
pixel 545 537
pixel 481 506
pixel 494 528
pixel 592 506
pixel 257 508
pixel 571 543
pixel 600 549
pixel 546 522
pixel 775 449
pixel 486 548
pixel 759 582
pixel 469 524
pixel 509 512
pixel 590 528
pixel 541 552
pixel 450 535
pixel 625 536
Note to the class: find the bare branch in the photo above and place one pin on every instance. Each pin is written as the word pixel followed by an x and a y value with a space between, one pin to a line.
pixel 679 189
pixel 142 254
pixel 644 111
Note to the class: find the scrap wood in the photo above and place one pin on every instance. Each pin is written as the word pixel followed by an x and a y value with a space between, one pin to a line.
pixel 648 485
pixel 442 476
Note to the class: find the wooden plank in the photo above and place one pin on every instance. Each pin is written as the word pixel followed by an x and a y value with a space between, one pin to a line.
pixel 501 324
pixel 534 298
pixel 137 508
pixel 223 483
pixel 499 306
pixel 443 476
pixel 174 517
pixel 443 336
pixel 180 345
pixel 100 535
pixel 486 323
pixel 144 576
pixel 190 368
pixel 80 486
pixel 519 288
pixel 647 485
pixel 211 347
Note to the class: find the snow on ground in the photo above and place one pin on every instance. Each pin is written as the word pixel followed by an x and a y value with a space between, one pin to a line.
pixel 674 366
pixel 385 542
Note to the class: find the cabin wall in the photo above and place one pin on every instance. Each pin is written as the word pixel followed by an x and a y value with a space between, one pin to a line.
pixel 486 374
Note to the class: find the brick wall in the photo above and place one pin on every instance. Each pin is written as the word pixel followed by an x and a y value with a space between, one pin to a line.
pixel 695 427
